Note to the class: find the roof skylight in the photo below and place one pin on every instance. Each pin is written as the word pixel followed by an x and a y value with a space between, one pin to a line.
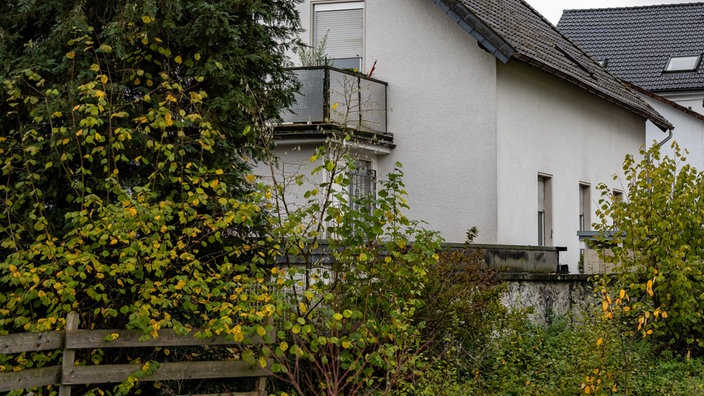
pixel 682 63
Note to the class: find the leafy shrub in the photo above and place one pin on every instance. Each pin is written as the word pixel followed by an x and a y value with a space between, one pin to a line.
pixel 344 311
pixel 127 196
pixel 581 358
pixel 656 244
pixel 462 307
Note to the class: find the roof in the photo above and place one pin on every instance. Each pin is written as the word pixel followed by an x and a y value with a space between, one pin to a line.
pixel 638 41
pixel 511 29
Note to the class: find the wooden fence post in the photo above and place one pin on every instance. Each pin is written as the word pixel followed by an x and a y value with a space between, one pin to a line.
pixel 69 356
pixel 261 386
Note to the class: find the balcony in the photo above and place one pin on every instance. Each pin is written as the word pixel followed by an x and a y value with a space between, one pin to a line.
pixel 334 102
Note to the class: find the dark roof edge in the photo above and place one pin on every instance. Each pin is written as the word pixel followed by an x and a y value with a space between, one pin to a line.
pixel 666 101
pixel 485 36
pixel 661 122
pixel 638 7
pixel 677 90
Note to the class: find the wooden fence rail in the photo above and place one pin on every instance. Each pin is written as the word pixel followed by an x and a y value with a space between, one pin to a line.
pixel 72 339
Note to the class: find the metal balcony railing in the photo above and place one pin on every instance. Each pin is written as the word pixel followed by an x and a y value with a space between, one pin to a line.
pixel 337 98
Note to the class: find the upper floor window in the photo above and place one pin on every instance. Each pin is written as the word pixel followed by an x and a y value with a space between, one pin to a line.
pixel 341 27
pixel 682 63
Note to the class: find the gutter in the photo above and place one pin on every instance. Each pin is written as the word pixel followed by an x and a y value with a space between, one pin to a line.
pixel 669 136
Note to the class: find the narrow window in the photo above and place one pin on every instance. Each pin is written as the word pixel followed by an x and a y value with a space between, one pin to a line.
pixel 341 27
pixel 585 220
pixel 362 185
pixel 544 211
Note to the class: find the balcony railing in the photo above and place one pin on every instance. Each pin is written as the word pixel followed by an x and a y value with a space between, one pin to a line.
pixel 333 98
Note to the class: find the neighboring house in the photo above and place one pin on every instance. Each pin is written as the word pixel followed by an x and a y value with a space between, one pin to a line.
pixel 500 122
pixel 657 49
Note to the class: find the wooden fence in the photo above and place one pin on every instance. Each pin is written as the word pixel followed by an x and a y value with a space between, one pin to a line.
pixel 72 339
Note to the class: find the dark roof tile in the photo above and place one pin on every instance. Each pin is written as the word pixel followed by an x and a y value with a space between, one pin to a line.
pixel 638 41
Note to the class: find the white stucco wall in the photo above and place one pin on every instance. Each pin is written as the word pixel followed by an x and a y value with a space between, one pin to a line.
pixel 694 100
pixel 688 133
pixel 473 134
pixel 442 113
pixel 552 127
pixel 292 160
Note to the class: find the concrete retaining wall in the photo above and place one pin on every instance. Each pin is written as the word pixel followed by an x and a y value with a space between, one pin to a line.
pixel 550 295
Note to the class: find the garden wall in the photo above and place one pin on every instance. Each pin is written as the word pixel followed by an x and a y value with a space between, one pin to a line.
pixel 551 295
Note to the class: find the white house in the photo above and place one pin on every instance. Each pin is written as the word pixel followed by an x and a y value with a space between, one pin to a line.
pixel 658 50
pixel 500 121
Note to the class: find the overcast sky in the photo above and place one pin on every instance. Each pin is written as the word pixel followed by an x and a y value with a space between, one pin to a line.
pixel 552 9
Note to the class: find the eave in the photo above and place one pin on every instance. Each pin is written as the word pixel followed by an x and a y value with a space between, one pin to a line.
pixel 485 36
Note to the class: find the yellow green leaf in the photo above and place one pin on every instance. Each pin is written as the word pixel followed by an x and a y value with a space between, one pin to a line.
pixel 237 334
pixel 309 294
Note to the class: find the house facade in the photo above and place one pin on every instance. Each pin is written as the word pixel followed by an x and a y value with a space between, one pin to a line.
pixel 498 120
pixel 658 50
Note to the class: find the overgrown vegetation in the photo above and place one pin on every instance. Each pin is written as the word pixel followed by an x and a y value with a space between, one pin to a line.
pixel 125 143
pixel 642 336
pixel 128 131
pixel 656 245
pixel 582 358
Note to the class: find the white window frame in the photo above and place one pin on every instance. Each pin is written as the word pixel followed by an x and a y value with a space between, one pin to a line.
pixel 339 6
pixel 683 63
